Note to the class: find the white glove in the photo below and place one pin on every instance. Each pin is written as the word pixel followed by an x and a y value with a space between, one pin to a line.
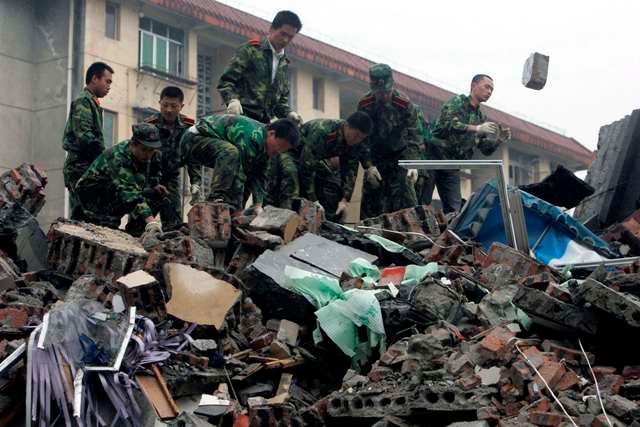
pixel 295 117
pixel 318 205
pixel 153 227
pixel 487 128
pixel 342 207
pixel 373 177
pixel 257 209
pixel 412 175
pixel 234 107
pixel 195 189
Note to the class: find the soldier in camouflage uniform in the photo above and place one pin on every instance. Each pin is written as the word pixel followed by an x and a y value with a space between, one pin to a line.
pixel 124 180
pixel 461 128
pixel 237 148
pixel 388 187
pixel 83 140
pixel 294 175
pixel 174 124
pixel 256 82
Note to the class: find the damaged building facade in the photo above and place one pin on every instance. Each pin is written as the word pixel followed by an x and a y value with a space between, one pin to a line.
pixel 46 46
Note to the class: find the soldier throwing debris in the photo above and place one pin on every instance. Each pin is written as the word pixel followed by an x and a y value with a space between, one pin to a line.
pixel 388 187
pixel 461 128
pixel 83 140
pixel 124 180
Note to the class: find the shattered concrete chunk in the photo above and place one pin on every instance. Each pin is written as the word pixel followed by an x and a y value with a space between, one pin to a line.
pixel 622 307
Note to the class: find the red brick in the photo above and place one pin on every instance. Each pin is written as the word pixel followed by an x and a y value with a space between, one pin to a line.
pixel 566 352
pixel 552 372
pixel 469 382
pixel 262 341
pixel 601 421
pixel 535 356
pixel 560 293
pixel 546 418
pixel 513 409
pixel 611 384
pixel 487 413
pixel 211 222
pixel 378 373
pixel 631 372
pixel 496 344
pixel 568 380
pixel 540 405
pixel 13 317
pixel 602 371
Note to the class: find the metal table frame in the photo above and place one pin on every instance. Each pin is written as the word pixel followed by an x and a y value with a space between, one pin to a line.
pixel 510 202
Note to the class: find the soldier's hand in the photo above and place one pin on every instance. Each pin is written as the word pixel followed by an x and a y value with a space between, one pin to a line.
pixel 373 177
pixel 258 209
pixel 342 208
pixel 295 117
pixel 161 190
pixel 412 175
pixel 487 128
pixel 234 107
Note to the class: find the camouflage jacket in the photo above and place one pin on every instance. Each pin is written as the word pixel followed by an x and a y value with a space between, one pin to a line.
pixel 395 130
pixel 114 183
pixel 171 145
pixel 249 137
pixel 451 140
pixel 323 139
pixel 83 132
pixel 248 79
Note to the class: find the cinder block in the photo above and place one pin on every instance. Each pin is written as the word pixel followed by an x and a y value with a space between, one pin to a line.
pixel 536 68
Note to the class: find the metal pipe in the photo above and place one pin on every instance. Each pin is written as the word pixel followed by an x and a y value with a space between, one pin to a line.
pixel 69 83
pixel 595 264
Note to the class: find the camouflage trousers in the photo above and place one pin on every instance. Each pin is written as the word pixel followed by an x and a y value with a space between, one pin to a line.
pixel 283 182
pixel 74 167
pixel 394 193
pixel 169 207
pixel 229 177
pixel 329 191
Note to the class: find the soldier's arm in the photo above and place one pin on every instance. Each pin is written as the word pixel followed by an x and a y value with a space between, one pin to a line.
pixel 486 146
pixel 128 192
pixel 348 172
pixel 83 128
pixel 233 74
pixel 259 184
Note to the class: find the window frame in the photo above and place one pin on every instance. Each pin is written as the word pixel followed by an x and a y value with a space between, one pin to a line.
pixel 114 128
pixel 116 30
pixel 318 99
pixel 169 43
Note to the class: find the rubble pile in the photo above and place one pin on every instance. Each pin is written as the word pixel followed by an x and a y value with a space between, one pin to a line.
pixel 284 318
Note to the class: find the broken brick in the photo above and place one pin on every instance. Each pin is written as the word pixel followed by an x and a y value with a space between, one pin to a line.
pixel 546 418
pixel 13 317
pixel 569 380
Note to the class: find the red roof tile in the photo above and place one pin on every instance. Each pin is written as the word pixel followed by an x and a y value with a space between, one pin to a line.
pixel 339 60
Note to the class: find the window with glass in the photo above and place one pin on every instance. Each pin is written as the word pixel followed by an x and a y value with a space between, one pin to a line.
pixel 109 128
pixel 161 47
pixel 318 94
pixel 112 20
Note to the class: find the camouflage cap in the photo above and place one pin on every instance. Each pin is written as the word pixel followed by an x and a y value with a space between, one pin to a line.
pixel 147 135
pixel 380 77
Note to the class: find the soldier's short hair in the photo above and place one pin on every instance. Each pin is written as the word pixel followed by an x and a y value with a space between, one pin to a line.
pixel 97 69
pixel 360 121
pixel 286 129
pixel 172 92
pixel 286 17
pixel 479 77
